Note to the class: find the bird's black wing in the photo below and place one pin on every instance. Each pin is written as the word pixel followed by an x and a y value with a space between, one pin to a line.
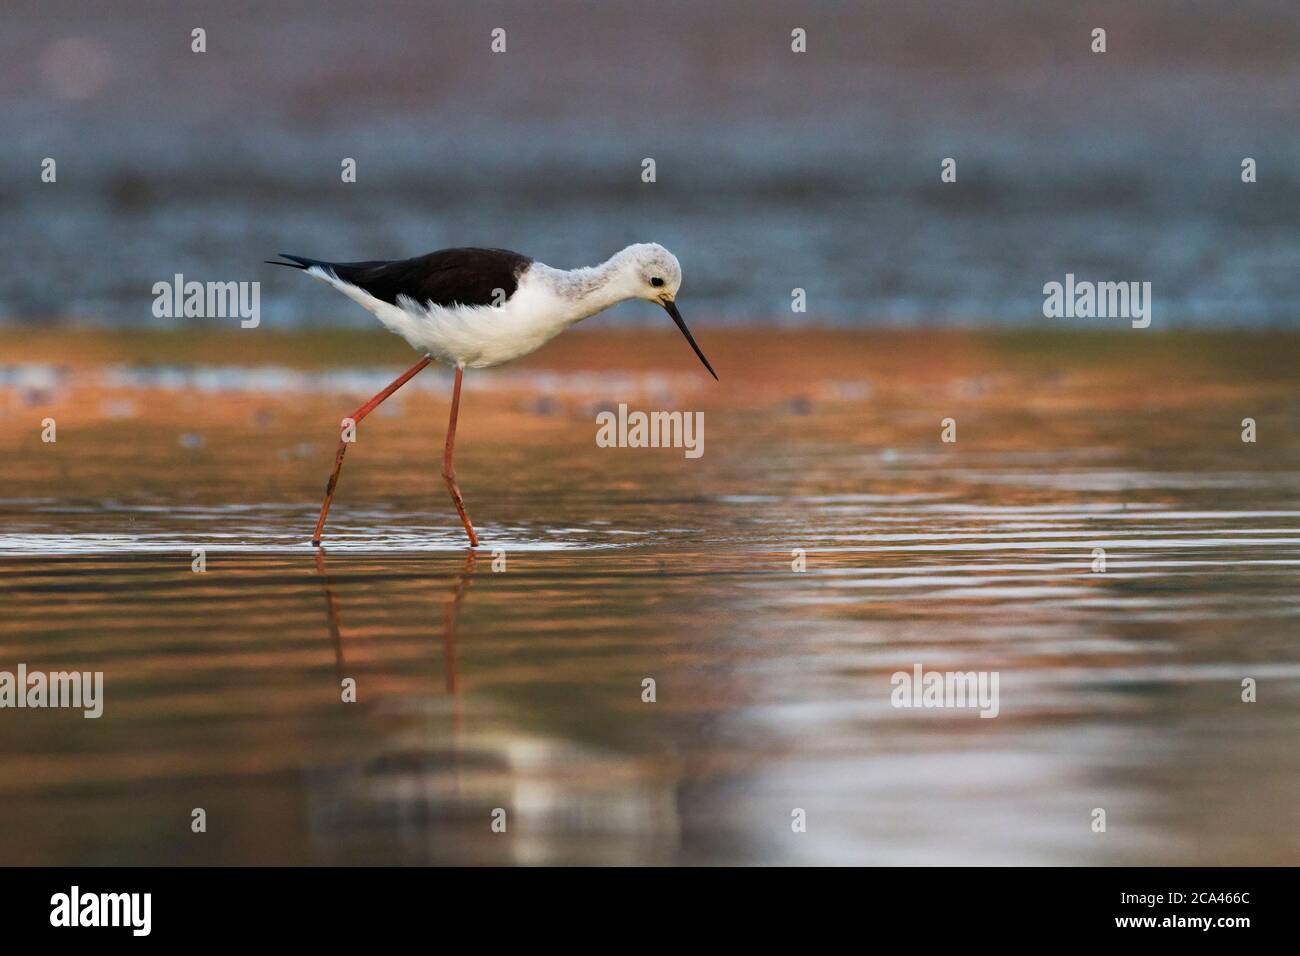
pixel 447 277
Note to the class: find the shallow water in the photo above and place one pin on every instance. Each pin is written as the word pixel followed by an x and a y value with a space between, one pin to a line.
pixel 520 687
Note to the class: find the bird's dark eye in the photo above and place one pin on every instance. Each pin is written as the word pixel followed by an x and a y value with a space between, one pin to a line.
pixel 656 282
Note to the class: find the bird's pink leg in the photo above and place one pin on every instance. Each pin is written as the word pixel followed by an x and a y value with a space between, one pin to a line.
pixel 356 416
pixel 448 471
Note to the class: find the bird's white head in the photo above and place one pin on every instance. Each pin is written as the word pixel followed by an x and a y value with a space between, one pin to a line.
pixel 649 271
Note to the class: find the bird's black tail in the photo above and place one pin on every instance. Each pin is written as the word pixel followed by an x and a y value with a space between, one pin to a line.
pixel 299 262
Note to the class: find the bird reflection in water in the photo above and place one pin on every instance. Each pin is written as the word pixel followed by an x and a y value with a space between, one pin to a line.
pixel 420 788
pixel 450 611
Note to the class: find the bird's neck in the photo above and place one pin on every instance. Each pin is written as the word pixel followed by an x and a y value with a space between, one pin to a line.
pixel 591 289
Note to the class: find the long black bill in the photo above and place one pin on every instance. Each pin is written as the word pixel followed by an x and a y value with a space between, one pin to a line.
pixel 671 308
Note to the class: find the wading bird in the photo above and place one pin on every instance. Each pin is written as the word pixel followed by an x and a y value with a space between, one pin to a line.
pixel 476 308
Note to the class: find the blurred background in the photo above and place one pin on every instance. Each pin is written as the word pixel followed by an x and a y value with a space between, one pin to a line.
pixel 774 170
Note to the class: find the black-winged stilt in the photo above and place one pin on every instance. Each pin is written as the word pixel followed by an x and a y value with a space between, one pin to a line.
pixel 476 308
